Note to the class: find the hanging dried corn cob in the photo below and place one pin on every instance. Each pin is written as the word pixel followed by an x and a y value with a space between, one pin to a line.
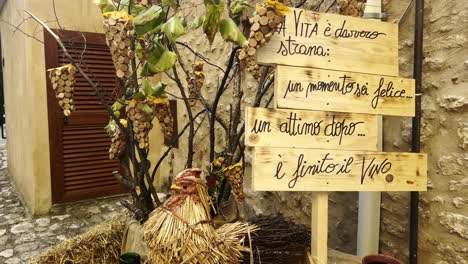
pixel 117 147
pixel 63 83
pixel 164 115
pixel 353 8
pixel 141 114
pixel 263 24
pixel 234 175
pixel 195 82
pixel 120 31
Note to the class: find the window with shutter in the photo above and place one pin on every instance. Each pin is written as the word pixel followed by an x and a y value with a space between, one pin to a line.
pixel 79 144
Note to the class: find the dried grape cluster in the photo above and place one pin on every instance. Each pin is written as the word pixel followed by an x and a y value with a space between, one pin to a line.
pixel 120 31
pixel 141 114
pixel 234 175
pixel 117 147
pixel 353 8
pixel 164 115
pixel 63 83
pixel 263 24
pixel 195 82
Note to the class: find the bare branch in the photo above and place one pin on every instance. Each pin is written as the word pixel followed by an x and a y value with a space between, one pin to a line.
pixel 17 28
pixel 199 55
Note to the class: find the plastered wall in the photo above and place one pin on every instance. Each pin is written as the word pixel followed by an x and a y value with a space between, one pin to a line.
pixel 443 211
pixel 25 91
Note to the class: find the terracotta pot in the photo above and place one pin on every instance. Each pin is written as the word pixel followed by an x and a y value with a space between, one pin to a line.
pixel 379 259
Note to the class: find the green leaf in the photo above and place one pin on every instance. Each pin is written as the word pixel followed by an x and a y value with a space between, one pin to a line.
pixel 148 20
pixel 197 22
pixel 230 32
pixel 139 96
pixel 212 18
pixel 117 106
pixel 159 89
pixel 173 28
pixel 160 59
pixel 237 7
pixel 117 114
pixel 105 6
pixel 146 87
pixel 137 9
pixel 147 109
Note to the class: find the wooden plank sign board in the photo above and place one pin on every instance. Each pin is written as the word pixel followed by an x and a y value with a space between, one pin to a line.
pixel 310 129
pixel 316 89
pixel 283 169
pixel 330 41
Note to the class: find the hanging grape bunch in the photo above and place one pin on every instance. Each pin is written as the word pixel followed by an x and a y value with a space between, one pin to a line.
pixel 164 115
pixel 195 82
pixel 141 114
pixel 264 23
pixel 117 147
pixel 120 31
pixel 63 83
pixel 353 8
pixel 234 175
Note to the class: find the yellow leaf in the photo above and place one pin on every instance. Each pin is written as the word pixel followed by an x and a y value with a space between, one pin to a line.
pixel 118 14
pixel 124 122
pixel 159 100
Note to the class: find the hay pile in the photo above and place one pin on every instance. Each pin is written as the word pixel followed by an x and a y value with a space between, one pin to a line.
pixel 100 245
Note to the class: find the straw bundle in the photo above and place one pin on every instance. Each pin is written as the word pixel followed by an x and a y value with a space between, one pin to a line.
pixel 180 231
pixel 100 245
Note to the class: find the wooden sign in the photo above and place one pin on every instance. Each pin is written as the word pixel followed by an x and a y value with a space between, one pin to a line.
pixel 316 89
pixel 310 129
pixel 282 169
pixel 330 41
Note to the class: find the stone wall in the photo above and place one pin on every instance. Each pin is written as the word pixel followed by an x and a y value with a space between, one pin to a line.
pixel 443 212
pixel 443 235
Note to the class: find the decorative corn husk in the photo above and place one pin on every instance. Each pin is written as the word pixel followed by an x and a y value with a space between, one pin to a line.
pixel 117 147
pixel 63 82
pixel 180 231
pixel 120 31
pixel 195 81
pixel 353 8
pixel 141 114
pixel 234 175
pixel 264 23
pixel 163 113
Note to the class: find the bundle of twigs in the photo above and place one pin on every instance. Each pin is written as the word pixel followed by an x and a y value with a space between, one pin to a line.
pixel 278 240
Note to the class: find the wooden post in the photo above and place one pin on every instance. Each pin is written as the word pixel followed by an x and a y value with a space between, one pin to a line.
pixel 319 227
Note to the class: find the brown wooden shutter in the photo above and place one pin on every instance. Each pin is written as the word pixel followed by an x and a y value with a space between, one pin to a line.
pixel 79 145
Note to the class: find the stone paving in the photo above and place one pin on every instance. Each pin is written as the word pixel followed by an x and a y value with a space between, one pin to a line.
pixel 23 236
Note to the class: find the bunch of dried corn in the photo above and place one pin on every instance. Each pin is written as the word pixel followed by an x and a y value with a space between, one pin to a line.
pixel 195 82
pixel 120 31
pixel 353 8
pixel 263 24
pixel 63 83
pixel 117 147
pixel 234 175
pixel 164 115
pixel 140 114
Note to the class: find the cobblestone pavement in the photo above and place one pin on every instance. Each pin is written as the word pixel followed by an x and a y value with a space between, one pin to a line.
pixel 23 236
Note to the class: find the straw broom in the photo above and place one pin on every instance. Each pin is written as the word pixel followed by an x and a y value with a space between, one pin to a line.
pixel 180 231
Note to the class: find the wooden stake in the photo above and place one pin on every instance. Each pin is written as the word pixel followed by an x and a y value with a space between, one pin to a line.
pixel 319 227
